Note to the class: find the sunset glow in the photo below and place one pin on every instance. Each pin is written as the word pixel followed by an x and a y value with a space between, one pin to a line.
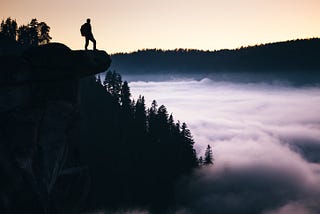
pixel 121 26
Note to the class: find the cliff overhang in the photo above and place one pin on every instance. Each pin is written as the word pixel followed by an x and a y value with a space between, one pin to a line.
pixel 49 62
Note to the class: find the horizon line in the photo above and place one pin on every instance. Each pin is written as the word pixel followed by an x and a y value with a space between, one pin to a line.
pixel 215 50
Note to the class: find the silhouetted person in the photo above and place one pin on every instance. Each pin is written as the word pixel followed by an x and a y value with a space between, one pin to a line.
pixel 86 31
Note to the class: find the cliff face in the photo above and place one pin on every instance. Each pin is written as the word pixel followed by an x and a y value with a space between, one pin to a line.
pixel 39 125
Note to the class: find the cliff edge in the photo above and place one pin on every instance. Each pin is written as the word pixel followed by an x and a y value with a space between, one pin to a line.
pixel 39 124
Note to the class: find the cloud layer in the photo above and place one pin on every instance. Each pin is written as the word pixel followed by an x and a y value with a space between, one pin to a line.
pixel 266 144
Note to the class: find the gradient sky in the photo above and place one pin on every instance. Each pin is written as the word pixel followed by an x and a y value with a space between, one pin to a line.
pixel 127 25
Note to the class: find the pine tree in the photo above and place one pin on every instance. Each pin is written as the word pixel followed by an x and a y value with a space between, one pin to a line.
pixel 140 113
pixel 154 107
pixel 125 95
pixel 43 33
pixel 152 114
pixel 113 84
pixel 208 157
pixel 162 119
pixel 117 85
pixel 23 35
pixel 9 28
pixel 34 33
pixel 190 153
pixel 107 83
pixel 171 124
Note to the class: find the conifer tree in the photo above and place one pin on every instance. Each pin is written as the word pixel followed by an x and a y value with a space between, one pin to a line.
pixel 152 114
pixel 140 113
pixel 9 28
pixel 43 33
pixel 23 35
pixel 162 119
pixel 208 156
pixel 171 124
pixel 34 33
pixel 190 153
pixel 125 95
pixel 113 84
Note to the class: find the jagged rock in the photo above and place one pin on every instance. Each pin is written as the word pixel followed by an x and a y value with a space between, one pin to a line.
pixel 39 121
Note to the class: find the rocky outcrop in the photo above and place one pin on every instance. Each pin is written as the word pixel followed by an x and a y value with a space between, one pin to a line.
pixel 39 124
pixel 50 62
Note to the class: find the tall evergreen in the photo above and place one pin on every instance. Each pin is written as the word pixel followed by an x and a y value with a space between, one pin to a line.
pixel 152 117
pixel 43 33
pixel 140 113
pixel 9 28
pixel 189 155
pixel 113 84
pixel 162 121
pixel 208 156
pixel 125 95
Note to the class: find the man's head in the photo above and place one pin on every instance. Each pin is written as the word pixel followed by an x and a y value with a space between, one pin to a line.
pixel 88 20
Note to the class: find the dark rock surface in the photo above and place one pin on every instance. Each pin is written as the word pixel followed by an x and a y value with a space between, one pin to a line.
pixel 39 125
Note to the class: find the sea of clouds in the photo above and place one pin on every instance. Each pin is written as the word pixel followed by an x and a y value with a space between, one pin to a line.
pixel 265 139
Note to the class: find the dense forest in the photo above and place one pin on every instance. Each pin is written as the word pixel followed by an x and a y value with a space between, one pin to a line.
pixel 135 154
pixel 295 55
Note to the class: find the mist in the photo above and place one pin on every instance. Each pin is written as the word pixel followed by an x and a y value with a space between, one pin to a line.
pixel 265 139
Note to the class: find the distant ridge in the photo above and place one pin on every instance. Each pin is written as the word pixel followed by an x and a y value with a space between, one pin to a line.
pixel 293 55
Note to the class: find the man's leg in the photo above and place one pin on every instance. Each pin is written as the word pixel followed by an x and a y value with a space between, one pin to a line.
pixel 86 44
pixel 94 43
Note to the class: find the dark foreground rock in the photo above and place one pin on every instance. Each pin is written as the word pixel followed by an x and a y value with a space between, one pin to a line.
pixel 39 123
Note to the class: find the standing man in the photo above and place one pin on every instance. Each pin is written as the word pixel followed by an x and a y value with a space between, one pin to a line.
pixel 86 31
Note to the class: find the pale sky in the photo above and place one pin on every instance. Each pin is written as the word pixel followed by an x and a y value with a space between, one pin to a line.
pixel 128 25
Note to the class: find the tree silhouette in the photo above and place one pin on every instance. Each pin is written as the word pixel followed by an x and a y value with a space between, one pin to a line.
pixel 9 28
pixel 152 114
pixel 32 34
pixel 113 84
pixel 28 34
pixel 125 95
pixel 208 156
pixel 162 120
pixel 24 35
pixel 137 154
pixel 190 156
pixel 140 114
pixel 125 101
pixel 43 33
pixel 171 124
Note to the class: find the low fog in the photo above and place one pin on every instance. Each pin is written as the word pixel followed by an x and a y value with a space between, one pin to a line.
pixel 265 139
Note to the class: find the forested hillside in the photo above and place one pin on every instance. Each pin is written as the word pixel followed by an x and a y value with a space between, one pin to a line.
pixel 135 153
pixel 296 55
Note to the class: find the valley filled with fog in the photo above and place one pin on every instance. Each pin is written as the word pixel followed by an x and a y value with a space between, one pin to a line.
pixel 265 138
